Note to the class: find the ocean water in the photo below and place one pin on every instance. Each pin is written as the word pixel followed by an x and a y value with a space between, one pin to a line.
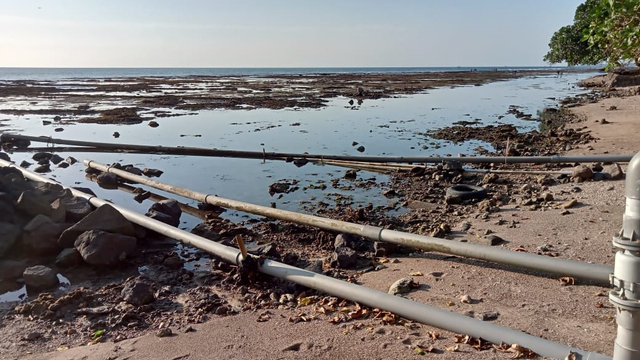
pixel 52 74
pixel 392 126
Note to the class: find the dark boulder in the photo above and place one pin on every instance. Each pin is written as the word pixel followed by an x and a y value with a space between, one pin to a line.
pixel 105 218
pixel 103 248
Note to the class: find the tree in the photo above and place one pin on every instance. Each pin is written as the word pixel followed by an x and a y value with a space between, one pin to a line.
pixel 615 28
pixel 568 43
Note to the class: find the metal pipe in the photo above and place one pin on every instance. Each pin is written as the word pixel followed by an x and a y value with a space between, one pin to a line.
pixel 194 151
pixel 625 295
pixel 545 264
pixel 409 309
pixel 406 167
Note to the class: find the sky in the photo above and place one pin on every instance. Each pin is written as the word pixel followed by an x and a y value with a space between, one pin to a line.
pixel 278 33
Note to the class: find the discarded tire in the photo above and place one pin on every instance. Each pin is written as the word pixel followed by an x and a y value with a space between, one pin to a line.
pixel 462 192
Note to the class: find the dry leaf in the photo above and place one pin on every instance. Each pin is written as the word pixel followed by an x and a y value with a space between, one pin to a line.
pixel 481 344
pixel 434 335
pixel 571 356
pixel 452 348
pixel 466 299
pixel 428 349
pixel 355 314
pixel 416 273
pixel 383 260
pixel 567 280
pixel 264 317
pixel 449 303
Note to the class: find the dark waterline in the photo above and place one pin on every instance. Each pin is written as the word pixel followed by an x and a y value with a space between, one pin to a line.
pixel 42 74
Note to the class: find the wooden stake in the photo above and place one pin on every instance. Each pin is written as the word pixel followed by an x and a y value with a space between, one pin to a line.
pixel 243 249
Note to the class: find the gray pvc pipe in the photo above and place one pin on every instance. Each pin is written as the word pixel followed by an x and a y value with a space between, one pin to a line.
pixel 193 151
pixel 406 308
pixel 563 267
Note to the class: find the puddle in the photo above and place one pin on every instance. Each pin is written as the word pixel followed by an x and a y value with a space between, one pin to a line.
pixel 20 294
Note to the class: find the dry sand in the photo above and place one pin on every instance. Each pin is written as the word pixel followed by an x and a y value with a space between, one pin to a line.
pixel 578 315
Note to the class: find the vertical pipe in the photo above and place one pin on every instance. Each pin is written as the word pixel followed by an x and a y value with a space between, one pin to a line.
pixel 625 295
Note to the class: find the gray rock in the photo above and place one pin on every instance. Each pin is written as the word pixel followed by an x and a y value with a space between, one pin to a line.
pixel 488 316
pixel 162 217
pixel 315 266
pixel 42 156
pixel 9 234
pixel 104 218
pixel 71 160
pixel 599 176
pixel 547 196
pixel 11 270
pixel 152 172
pixel 384 248
pixel 75 208
pixel 107 181
pixel 25 164
pixel 7 212
pixel 494 240
pixel 38 201
pixel 103 248
pixel 56 159
pixel 402 286
pixel 138 292
pixel 41 235
pixel 168 207
pixel 44 168
pixel 68 257
pixel 582 172
pixel 40 277
pixel 4 156
pixel 344 257
pixel 615 171
pixel 344 240
pixel 63 165
pixel 207 230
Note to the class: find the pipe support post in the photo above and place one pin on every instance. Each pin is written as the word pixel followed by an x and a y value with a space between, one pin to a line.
pixel 625 295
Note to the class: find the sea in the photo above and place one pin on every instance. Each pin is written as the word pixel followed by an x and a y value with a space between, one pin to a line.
pixel 52 74
pixel 393 126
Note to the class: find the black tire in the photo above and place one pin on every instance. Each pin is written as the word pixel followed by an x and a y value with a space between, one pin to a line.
pixel 464 192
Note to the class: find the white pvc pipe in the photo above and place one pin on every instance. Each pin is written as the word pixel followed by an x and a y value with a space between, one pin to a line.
pixel 406 308
pixel 563 267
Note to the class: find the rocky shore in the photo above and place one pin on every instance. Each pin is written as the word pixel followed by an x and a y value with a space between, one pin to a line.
pixel 126 281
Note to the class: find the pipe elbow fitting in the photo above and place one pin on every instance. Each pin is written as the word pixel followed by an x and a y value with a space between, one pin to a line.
pixel 632 183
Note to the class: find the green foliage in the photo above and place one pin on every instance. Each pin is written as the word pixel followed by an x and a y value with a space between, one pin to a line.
pixel 615 28
pixel 568 43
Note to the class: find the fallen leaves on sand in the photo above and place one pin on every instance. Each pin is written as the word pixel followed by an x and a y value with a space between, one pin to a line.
pixel 423 349
pixel 415 273
pixel 571 356
pixel 452 348
pixel 434 335
pixel 566 280
pixel 265 316
pixel 517 351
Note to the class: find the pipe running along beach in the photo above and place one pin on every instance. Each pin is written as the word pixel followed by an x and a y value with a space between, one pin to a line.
pixel 194 151
pixel 563 267
pixel 409 309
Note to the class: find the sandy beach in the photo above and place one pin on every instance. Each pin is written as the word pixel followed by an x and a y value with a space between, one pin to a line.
pixel 572 312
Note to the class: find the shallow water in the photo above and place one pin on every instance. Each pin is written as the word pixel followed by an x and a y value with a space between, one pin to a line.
pixel 391 126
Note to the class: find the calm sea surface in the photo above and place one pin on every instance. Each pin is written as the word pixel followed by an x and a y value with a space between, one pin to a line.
pixel 392 126
pixel 70 73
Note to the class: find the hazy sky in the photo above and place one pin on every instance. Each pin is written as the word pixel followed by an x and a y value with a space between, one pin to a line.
pixel 278 33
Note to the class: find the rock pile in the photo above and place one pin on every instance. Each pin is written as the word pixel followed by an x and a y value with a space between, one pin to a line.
pixel 48 227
